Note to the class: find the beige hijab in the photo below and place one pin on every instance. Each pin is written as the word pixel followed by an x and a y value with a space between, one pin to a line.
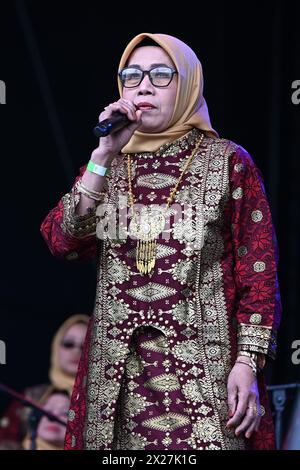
pixel 190 106
pixel 41 444
pixel 58 377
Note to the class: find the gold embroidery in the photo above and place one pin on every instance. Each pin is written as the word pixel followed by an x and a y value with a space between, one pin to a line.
pixel 167 422
pixel 117 312
pixel 238 167
pixel 255 318
pixel 210 334
pixel 114 331
pixel 204 410
pixel 242 251
pixel 254 338
pixel 156 164
pixel 213 351
pixel 185 271
pixel 134 365
pixel 156 181
pixel 188 195
pixel 134 404
pixel 78 226
pixel 237 193
pixel 211 310
pixel 185 230
pixel 210 314
pixel 256 215
pixel 259 266
pixel 158 344
pixel 212 197
pixel 187 351
pixel 195 390
pixel 196 371
pixel 213 181
pixel 189 332
pixel 162 251
pixel 206 430
pixel 163 382
pixel 114 291
pixel 131 441
pixel 104 434
pixel 167 441
pixel 117 272
pixel 151 196
pixel 208 359
pixel 115 350
pixel 151 292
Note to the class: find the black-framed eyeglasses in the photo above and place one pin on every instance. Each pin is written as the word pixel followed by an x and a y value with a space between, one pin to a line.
pixel 69 344
pixel 159 76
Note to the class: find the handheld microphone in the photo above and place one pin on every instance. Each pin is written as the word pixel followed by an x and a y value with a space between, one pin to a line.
pixel 111 125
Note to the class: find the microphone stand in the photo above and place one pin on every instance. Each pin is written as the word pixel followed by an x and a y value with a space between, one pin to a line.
pixel 279 396
pixel 37 412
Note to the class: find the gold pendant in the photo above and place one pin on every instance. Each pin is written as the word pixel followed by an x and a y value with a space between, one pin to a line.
pixel 146 227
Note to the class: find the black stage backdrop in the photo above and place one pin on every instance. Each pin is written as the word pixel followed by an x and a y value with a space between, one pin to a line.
pixel 58 62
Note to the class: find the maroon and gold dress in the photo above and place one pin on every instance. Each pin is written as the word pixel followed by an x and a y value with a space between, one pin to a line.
pixel 160 347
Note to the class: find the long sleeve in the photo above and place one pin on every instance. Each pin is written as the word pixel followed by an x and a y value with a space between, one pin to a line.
pixel 255 257
pixel 70 236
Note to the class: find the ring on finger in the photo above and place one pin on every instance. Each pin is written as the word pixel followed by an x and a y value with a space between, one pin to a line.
pixel 253 408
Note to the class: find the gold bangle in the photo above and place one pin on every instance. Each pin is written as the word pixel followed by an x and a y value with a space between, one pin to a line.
pixel 251 354
pixel 92 191
pixel 259 358
pixel 91 194
pixel 252 365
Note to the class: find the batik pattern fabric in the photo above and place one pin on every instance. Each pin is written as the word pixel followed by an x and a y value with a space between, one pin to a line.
pixel 160 347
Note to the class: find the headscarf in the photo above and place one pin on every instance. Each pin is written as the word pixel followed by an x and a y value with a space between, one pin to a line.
pixel 190 106
pixel 60 379
pixel 40 443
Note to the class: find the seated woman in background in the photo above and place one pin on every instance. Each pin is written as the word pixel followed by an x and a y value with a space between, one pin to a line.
pixel 65 354
pixel 50 434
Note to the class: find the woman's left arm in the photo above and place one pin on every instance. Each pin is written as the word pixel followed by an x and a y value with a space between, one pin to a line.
pixel 255 272
pixel 255 258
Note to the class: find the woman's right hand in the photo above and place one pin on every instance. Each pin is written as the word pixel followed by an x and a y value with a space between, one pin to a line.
pixel 111 145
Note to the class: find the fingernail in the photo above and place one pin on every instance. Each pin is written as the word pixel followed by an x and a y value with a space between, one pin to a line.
pixel 230 414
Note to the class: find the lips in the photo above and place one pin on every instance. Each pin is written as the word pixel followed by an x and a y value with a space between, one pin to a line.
pixel 143 105
pixel 53 428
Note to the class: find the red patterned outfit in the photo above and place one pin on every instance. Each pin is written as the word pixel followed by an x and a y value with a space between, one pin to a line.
pixel 160 347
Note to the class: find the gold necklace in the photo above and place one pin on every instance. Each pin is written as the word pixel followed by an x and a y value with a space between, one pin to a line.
pixel 147 225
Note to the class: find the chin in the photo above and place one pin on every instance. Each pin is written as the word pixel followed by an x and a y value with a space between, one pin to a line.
pixel 150 125
pixel 150 129
pixel 48 436
pixel 71 370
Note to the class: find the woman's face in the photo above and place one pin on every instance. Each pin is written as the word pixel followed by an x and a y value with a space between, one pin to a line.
pixel 70 348
pixel 50 431
pixel 163 99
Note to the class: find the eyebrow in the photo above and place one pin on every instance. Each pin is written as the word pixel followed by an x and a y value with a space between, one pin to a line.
pixel 137 66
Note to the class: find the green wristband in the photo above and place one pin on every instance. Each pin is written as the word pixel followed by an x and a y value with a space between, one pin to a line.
pixel 97 169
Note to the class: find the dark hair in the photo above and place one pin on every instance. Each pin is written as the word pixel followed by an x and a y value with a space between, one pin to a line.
pixel 147 42
pixel 144 42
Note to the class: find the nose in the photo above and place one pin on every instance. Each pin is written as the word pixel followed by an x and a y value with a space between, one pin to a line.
pixel 146 87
